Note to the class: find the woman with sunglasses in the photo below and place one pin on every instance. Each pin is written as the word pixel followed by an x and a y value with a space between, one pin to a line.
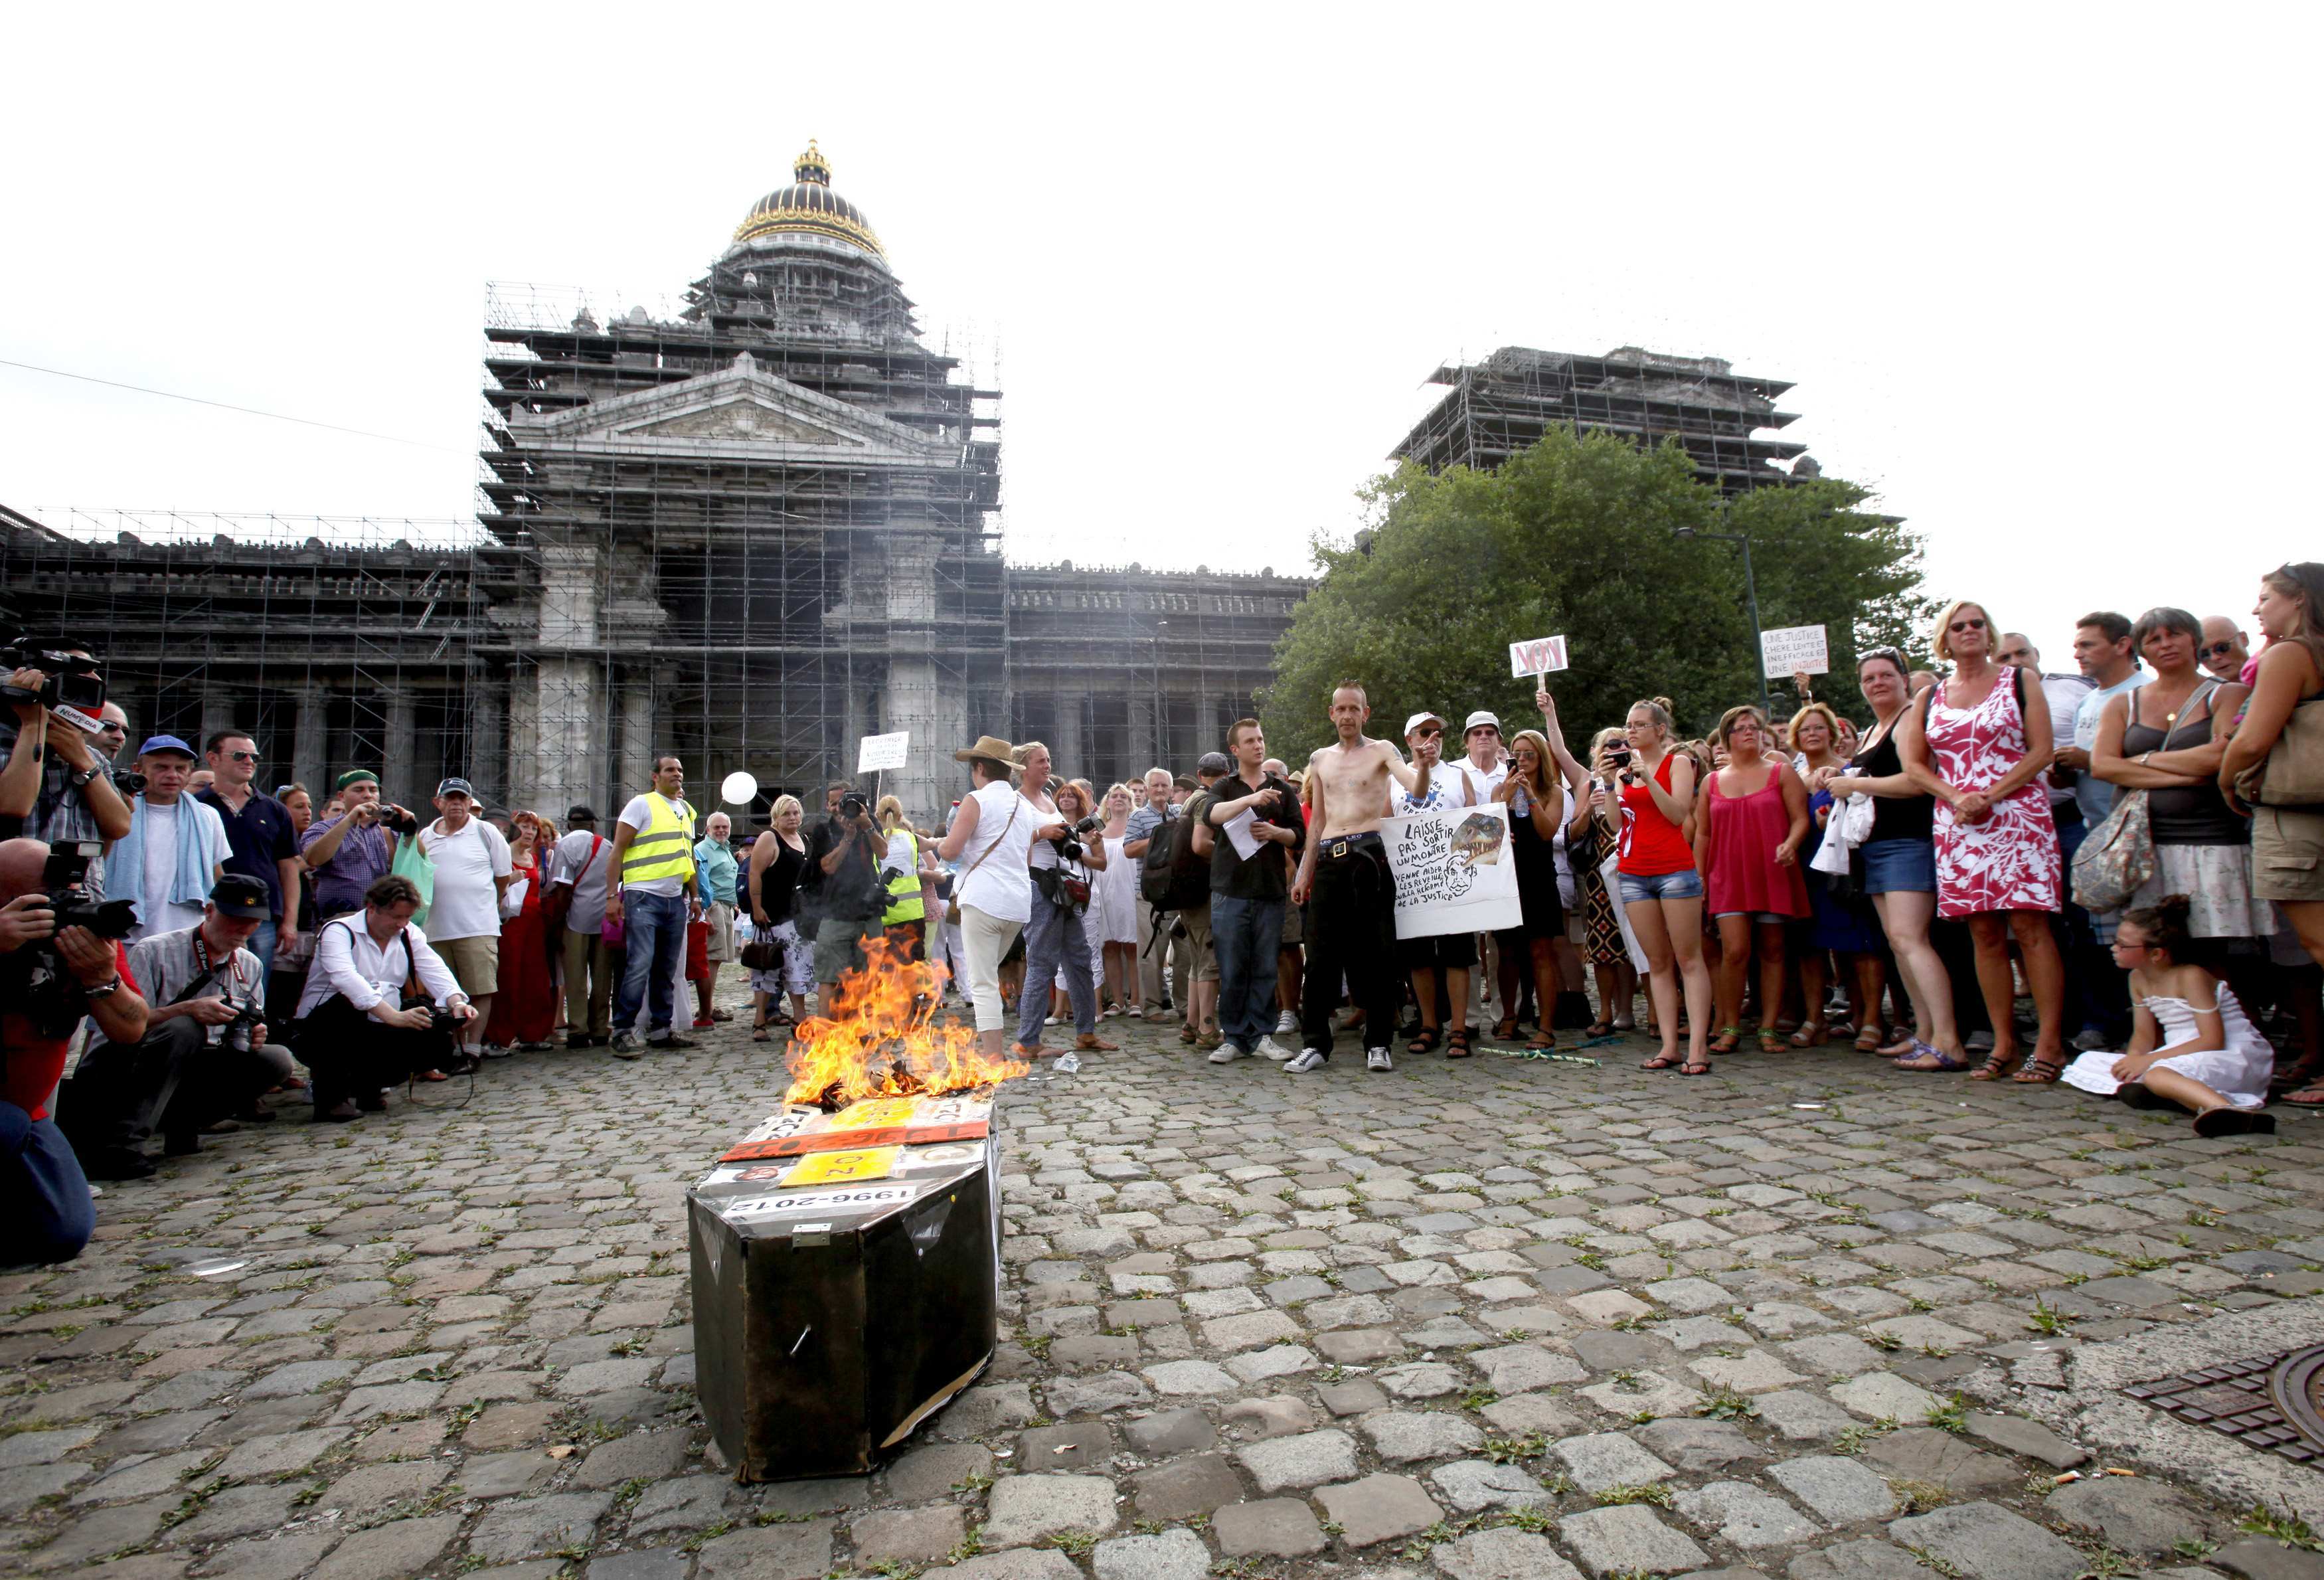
pixel 1978 742
pixel 1662 890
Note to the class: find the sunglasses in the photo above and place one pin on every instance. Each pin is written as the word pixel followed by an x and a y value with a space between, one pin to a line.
pixel 243 756
pixel 1959 626
pixel 1430 734
pixel 2216 650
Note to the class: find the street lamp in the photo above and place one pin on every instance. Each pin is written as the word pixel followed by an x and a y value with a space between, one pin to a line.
pixel 1750 595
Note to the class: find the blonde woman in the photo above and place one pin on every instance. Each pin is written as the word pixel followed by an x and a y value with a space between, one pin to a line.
pixel 1114 904
pixel 1662 892
pixel 778 857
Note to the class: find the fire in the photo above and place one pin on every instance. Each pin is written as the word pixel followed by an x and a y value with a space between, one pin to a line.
pixel 881 1039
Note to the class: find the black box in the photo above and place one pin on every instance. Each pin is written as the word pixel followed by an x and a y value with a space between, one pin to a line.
pixel 830 1320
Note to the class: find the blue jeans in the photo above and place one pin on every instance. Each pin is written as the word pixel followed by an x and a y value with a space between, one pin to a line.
pixel 262 943
pixel 655 925
pixel 45 1211
pixel 1245 934
pixel 1054 942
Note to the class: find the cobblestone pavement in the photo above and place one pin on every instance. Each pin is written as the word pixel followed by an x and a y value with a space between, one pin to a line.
pixel 1493 1318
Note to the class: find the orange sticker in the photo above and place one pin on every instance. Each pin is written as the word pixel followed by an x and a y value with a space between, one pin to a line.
pixel 843 1168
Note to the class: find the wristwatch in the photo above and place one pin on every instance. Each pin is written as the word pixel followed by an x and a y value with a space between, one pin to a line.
pixel 103 990
pixel 79 779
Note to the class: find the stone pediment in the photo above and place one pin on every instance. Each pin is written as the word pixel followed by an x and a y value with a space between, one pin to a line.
pixel 740 412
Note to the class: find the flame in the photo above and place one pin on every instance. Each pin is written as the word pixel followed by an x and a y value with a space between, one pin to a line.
pixel 881 1039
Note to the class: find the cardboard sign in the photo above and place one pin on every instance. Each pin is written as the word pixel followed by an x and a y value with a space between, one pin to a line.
pixel 1455 871
pixel 1795 649
pixel 881 752
pixel 880 1122
pixel 1541 656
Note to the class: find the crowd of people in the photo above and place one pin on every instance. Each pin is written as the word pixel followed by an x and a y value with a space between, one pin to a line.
pixel 2134 848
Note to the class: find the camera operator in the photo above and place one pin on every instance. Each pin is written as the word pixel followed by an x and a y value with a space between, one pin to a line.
pixel 364 1020
pixel 45 1211
pixel 352 851
pixel 204 1054
pixel 853 896
pixel 56 785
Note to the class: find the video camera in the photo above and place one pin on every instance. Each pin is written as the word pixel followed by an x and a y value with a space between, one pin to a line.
pixel 1070 848
pixel 854 805
pixel 69 680
pixel 51 994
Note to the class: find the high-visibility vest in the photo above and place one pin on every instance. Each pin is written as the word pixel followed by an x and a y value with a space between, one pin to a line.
pixel 904 902
pixel 664 847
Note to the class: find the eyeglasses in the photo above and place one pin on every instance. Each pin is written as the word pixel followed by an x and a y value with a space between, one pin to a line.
pixel 1958 626
pixel 1430 734
pixel 243 756
pixel 2122 943
pixel 2216 650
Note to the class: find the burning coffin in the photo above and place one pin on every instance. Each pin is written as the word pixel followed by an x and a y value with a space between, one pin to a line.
pixel 847 1267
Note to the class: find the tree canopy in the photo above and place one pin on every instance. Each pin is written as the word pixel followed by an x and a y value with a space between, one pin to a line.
pixel 1579 537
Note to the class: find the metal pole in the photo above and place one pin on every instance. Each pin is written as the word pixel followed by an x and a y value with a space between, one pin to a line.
pixel 1751 601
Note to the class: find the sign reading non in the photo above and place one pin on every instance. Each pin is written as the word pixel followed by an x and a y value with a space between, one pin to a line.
pixel 1540 656
pixel 1795 649
pixel 1455 871
pixel 882 752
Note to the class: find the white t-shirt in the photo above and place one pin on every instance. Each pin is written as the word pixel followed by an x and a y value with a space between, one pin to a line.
pixel 467 903
pixel 1472 786
pixel 155 913
pixel 2094 795
pixel 584 859
pixel 639 816
pixel 1001 886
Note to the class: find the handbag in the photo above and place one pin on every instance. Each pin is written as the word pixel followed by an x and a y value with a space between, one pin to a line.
pixel 764 952
pixel 2116 857
pixel 2292 774
pixel 558 900
pixel 415 863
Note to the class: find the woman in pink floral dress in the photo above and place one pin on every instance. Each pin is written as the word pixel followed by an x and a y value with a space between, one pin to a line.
pixel 1967 742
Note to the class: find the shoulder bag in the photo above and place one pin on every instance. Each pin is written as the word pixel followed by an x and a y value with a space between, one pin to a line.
pixel 2117 856
pixel 2292 774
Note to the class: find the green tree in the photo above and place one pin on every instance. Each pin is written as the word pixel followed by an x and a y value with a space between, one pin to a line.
pixel 1579 537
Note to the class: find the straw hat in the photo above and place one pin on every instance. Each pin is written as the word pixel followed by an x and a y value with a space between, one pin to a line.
pixel 991 749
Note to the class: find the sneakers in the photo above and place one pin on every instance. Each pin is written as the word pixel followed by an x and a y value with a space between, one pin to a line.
pixel 1309 1059
pixel 1376 1058
pixel 701 1024
pixel 1227 1053
pixel 494 1050
pixel 1268 1047
pixel 673 1042
pixel 626 1046
pixel 1286 1025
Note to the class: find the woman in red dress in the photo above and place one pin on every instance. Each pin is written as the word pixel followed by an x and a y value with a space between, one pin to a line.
pixel 525 1008
pixel 1749 848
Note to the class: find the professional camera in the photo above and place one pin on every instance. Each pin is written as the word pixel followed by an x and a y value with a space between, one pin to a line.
pixel 1070 848
pixel 240 1031
pixel 47 992
pixel 396 820
pixel 852 805
pixel 69 679
pixel 65 880
pixel 130 784
pixel 443 1021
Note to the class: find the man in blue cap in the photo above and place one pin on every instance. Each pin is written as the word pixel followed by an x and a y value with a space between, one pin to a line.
pixel 176 848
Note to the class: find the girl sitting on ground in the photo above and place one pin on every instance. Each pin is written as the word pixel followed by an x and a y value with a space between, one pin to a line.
pixel 2191 1043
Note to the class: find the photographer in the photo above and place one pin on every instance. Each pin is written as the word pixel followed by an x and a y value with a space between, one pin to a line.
pixel 355 849
pixel 1056 944
pixel 204 1054
pixel 48 979
pixel 365 1022
pixel 853 896
pixel 55 785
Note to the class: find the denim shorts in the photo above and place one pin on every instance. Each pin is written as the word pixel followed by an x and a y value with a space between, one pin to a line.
pixel 1680 885
pixel 1756 916
pixel 1895 865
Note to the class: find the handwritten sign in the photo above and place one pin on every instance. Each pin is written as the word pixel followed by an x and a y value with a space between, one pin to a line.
pixel 1795 649
pixel 1540 656
pixel 1455 868
pixel 882 752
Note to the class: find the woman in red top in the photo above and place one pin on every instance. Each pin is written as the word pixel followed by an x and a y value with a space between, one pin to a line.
pixel 524 1011
pixel 1749 846
pixel 1662 892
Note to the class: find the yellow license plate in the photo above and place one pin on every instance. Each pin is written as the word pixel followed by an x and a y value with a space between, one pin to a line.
pixel 845 1168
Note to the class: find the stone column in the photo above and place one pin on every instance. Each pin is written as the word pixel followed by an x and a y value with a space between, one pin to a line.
pixel 637 745
pixel 308 734
pixel 911 698
pixel 400 775
pixel 1068 749
pixel 217 709
pixel 487 754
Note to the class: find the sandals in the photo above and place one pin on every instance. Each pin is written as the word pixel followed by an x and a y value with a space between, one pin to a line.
pixel 2042 1072
pixel 1456 1042
pixel 1814 1034
pixel 1868 1039
pixel 757 1034
pixel 1904 1044
pixel 1664 1061
pixel 1926 1059
pixel 1599 1029
pixel 1507 1030
pixel 1772 1040
pixel 1695 1069
pixel 1997 1066
pixel 1424 1041
pixel 1540 1043
pixel 2306 1096
pixel 1729 1040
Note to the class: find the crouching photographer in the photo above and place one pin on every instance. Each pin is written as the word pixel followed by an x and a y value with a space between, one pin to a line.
pixel 204 1054
pixel 50 977
pixel 379 1003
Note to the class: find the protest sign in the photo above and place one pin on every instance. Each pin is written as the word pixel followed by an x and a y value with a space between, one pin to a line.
pixel 1455 871
pixel 1540 656
pixel 879 753
pixel 1795 649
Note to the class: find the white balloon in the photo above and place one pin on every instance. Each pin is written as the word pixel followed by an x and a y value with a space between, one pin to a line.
pixel 738 789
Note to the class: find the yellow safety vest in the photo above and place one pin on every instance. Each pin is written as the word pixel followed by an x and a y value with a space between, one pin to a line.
pixel 904 902
pixel 664 847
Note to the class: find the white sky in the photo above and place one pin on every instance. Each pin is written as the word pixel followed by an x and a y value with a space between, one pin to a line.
pixel 2043 276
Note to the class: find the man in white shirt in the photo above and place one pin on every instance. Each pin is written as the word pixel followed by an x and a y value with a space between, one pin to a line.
pixel 473 871
pixel 356 1033
pixel 176 847
pixel 578 887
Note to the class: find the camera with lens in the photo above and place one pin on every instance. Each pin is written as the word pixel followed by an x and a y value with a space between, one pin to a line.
pixel 396 820
pixel 1071 848
pixel 240 1031
pixel 69 679
pixel 852 805
pixel 129 783
pixel 47 992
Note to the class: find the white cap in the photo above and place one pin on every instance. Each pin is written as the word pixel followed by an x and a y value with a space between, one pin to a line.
pixel 1418 719
pixel 1481 717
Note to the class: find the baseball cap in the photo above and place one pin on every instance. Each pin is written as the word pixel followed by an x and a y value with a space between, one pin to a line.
pixel 1481 717
pixel 166 744
pixel 580 814
pixel 1416 720
pixel 1216 763
pixel 240 894
pixel 457 787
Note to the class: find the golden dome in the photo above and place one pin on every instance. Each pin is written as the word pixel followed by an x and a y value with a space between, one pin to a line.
pixel 811 206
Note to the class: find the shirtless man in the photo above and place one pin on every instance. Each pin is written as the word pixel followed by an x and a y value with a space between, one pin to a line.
pixel 1351 928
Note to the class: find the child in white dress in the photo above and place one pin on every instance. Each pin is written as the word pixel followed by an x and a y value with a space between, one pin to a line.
pixel 2190 1044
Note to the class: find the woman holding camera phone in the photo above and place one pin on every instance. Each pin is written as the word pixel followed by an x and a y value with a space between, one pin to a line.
pixel 1662 892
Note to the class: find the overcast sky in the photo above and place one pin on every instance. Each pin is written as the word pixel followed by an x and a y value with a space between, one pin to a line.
pixel 2043 276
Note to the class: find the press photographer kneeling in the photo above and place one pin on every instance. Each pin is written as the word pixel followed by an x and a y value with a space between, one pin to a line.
pixel 204 1054
pixel 50 977
pixel 378 1004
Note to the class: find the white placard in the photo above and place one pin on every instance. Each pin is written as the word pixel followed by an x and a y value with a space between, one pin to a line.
pixel 881 752
pixel 1456 870
pixel 1541 656
pixel 1795 649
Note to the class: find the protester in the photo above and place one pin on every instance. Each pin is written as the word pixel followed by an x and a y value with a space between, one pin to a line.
pixel 45 1209
pixel 1256 832
pixel 1114 904
pixel 176 846
pixel 1748 849
pixel 1159 950
pixel 2225 649
pixel 472 873
pixel 1978 744
pixel 2191 1044
pixel 1591 838
pixel 1534 795
pixel 1446 958
pixel 778 857
pixel 993 833
pixel 1055 941
pixel 1662 890
pixel 204 1054
pixel 653 900
pixel 261 837
pixel 524 1006
pixel 365 1019
pixel 715 872
pixel 1839 929
pixel 579 881
pixel 354 847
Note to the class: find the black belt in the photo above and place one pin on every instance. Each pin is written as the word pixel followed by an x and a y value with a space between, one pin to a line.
pixel 1351 844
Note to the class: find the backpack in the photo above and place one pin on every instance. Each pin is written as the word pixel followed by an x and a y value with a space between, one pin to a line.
pixel 1170 876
